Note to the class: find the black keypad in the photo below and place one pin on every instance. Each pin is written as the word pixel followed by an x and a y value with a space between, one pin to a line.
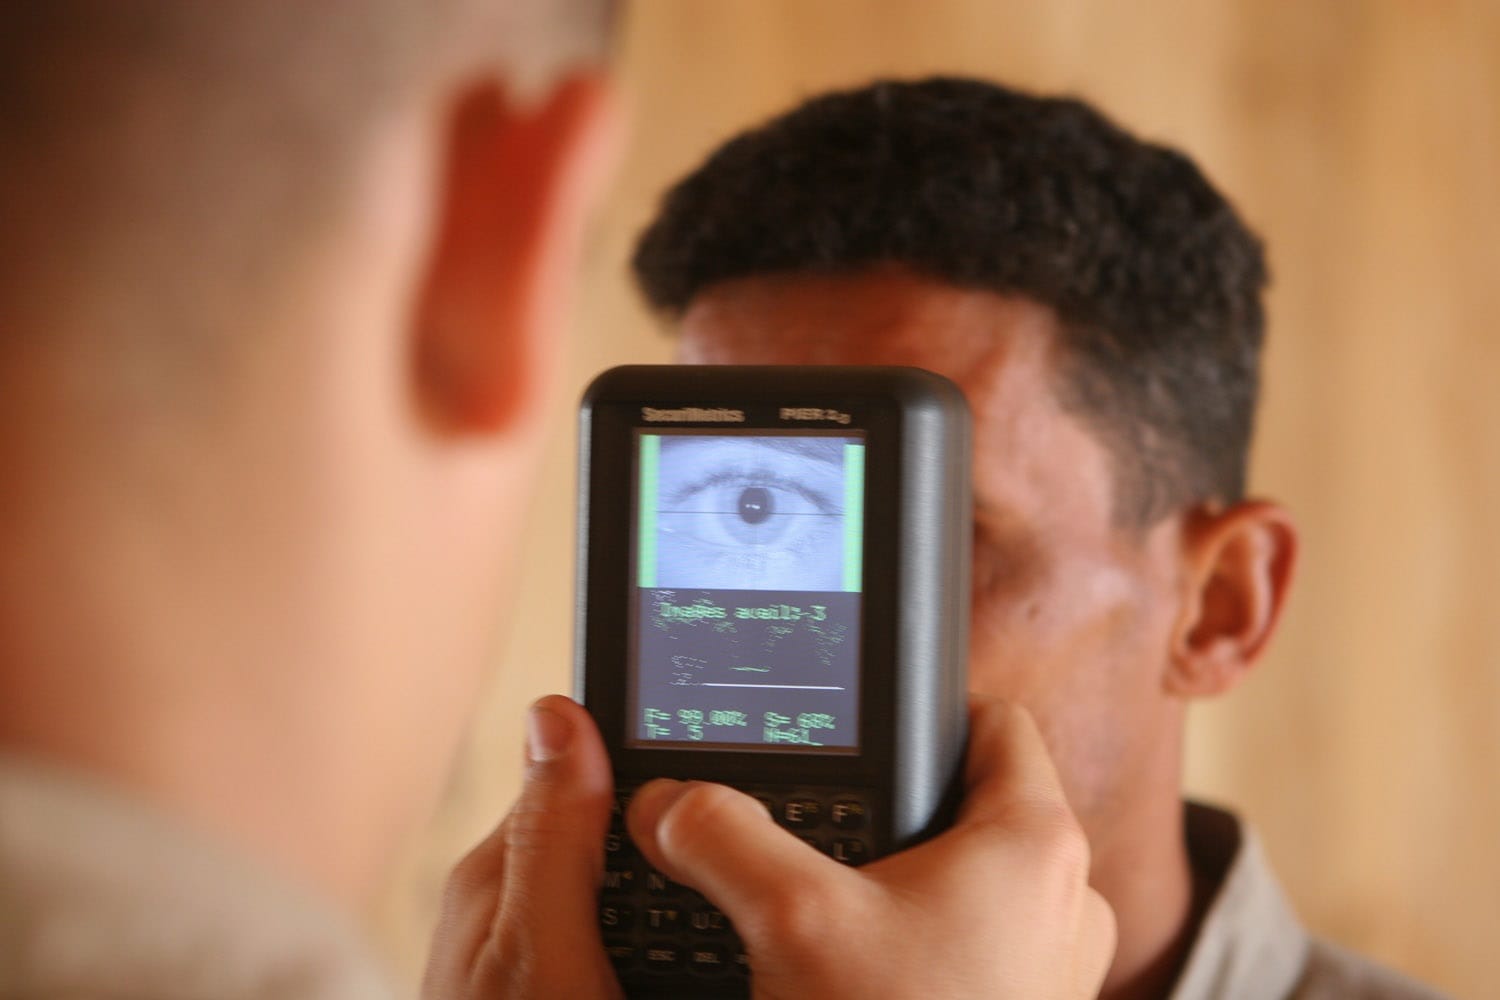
pixel 801 813
pixel 850 851
pixel 663 956
pixel 616 918
pixel 619 879
pixel 658 932
pixel 623 956
pixel 664 919
pixel 658 884
pixel 848 814
pixel 710 959
pixel 709 921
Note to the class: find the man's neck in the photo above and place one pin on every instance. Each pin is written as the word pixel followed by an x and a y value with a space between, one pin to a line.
pixel 210 772
pixel 1142 869
pixel 127 653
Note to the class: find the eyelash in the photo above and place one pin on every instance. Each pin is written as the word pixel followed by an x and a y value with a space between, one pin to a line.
pixel 758 477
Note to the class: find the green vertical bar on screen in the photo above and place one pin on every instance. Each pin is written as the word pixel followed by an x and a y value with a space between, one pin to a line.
pixel 854 517
pixel 645 542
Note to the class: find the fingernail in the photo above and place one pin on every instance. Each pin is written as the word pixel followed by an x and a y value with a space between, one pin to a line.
pixel 547 734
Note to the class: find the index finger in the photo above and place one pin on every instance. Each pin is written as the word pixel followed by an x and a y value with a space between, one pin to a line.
pixel 1009 773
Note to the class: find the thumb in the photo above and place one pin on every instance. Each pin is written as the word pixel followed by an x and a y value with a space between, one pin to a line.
pixel 724 844
pixel 553 839
pixel 520 909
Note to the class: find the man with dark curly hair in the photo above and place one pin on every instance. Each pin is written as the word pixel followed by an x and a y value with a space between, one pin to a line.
pixel 1100 304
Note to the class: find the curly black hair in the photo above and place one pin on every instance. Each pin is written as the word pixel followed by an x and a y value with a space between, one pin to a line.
pixel 1156 281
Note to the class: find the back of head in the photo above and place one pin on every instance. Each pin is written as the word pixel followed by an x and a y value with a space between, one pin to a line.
pixel 1156 281
pixel 246 573
pixel 181 160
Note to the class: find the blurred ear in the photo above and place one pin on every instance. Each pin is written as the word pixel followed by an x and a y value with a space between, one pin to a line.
pixel 1240 564
pixel 488 329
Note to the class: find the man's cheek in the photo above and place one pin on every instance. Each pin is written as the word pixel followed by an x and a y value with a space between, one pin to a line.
pixel 1002 627
pixel 1002 661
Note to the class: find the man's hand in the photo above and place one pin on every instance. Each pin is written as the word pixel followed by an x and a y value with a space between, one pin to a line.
pixel 999 906
pixel 521 912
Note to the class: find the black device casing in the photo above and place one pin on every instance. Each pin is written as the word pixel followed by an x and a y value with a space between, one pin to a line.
pixel 914 628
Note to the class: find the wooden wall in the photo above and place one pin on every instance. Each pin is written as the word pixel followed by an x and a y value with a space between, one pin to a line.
pixel 1363 140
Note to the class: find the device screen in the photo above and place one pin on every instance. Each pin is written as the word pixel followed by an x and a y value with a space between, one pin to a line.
pixel 748 571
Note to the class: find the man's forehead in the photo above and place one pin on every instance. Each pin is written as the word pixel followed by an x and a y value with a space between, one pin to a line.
pixel 1003 351
pixel 884 316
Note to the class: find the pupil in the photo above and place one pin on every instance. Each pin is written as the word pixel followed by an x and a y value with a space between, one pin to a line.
pixel 755 504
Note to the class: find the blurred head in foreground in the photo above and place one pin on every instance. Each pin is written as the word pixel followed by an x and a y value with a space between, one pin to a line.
pixel 279 298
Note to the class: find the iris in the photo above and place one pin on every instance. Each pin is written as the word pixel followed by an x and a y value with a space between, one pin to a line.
pixel 756 504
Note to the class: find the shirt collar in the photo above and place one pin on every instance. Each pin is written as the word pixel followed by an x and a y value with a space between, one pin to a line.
pixel 1250 945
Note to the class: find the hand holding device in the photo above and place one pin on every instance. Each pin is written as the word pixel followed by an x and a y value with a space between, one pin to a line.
pixel 997 907
pixel 773 593
pixel 519 916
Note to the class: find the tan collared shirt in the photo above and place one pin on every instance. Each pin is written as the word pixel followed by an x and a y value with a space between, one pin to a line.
pixel 102 899
pixel 1251 945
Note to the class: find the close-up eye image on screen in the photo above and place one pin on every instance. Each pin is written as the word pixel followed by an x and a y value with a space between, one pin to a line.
pixel 753 512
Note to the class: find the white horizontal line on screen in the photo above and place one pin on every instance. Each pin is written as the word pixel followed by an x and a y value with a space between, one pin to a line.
pixel 783 687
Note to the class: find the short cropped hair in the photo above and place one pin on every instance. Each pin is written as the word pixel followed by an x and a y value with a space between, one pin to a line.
pixel 183 153
pixel 1156 281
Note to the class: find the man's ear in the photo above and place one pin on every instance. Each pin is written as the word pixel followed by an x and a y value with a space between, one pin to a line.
pixel 1239 569
pixel 488 326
